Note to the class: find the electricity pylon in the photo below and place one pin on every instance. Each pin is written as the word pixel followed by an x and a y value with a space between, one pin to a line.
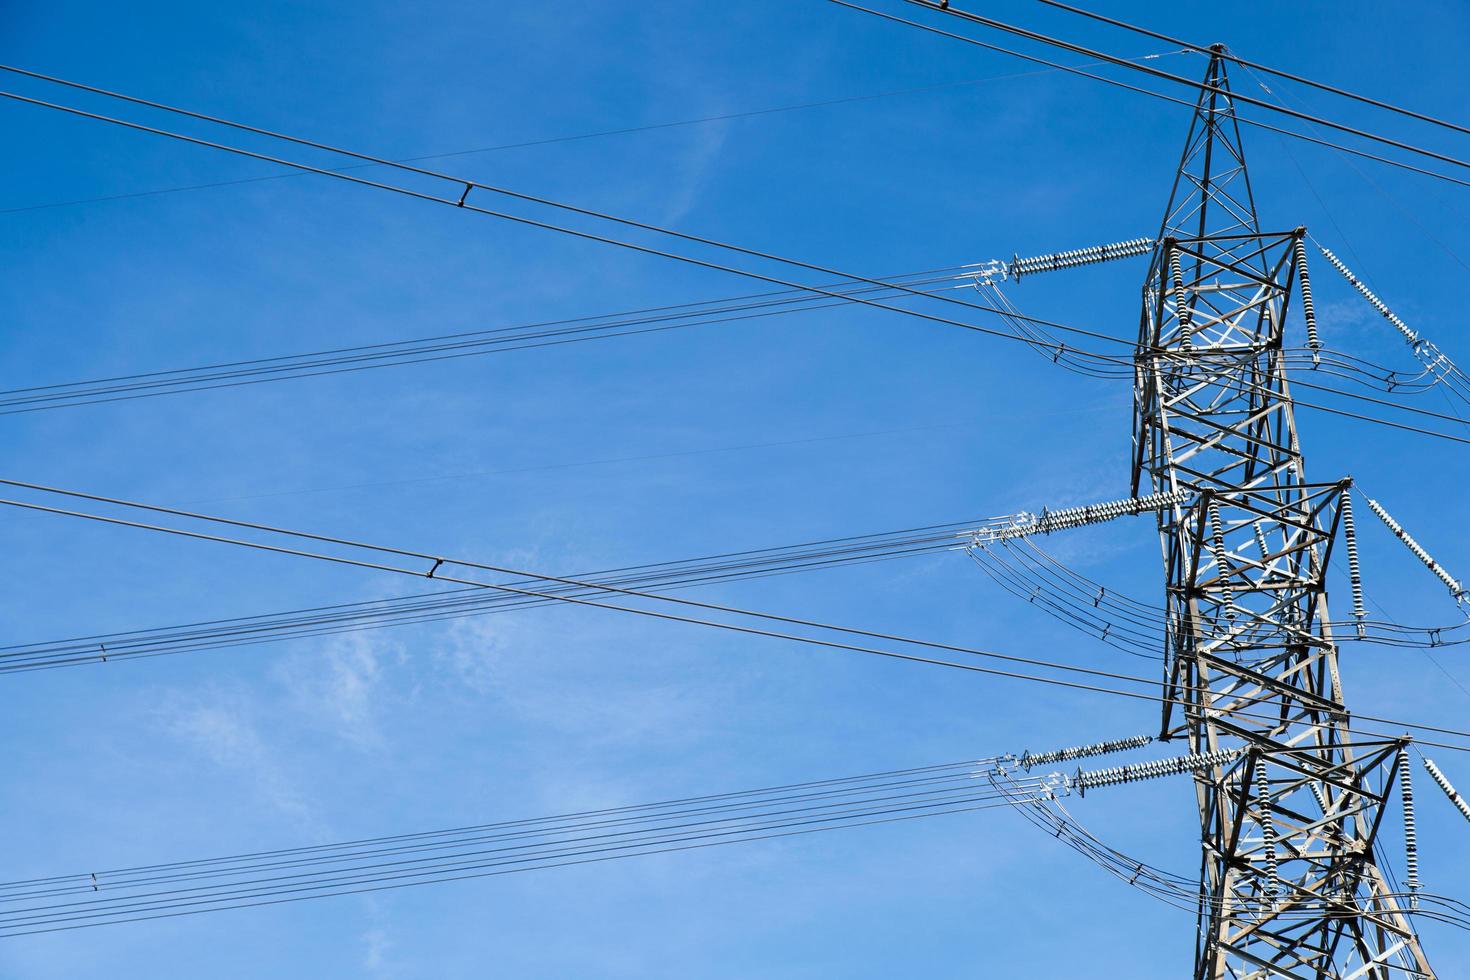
pixel 1290 881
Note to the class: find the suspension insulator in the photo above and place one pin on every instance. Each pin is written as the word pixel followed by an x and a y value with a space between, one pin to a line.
pixel 1181 304
pixel 1444 784
pixel 1078 256
pixel 1433 359
pixel 1028 760
pixel 1268 831
pixel 1217 536
pixel 1309 311
pixel 1373 301
pixel 1411 842
pixel 1261 541
pixel 1453 584
pixel 1355 574
pixel 1155 769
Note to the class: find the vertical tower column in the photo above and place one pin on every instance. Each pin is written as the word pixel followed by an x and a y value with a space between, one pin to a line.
pixel 1289 882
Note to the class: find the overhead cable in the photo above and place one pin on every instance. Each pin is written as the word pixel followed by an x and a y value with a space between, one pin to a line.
pixel 1257 66
pixel 948 7
pixel 464 186
pixel 380 554
pixel 1116 83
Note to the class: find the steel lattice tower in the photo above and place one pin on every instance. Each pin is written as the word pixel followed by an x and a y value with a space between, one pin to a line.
pixel 1291 885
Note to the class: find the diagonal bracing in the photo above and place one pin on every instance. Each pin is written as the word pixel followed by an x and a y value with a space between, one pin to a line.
pixel 1289 882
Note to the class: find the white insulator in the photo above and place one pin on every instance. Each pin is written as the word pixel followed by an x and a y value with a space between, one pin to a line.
pixel 1449 580
pixel 1444 784
pixel 1155 769
pixel 1268 831
pixel 1261 540
pixel 1355 574
pixel 1309 312
pixel 1181 304
pixel 1078 256
pixel 1024 523
pixel 1217 535
pixel 1029 760
pixel 1411 842
pixel 1373 301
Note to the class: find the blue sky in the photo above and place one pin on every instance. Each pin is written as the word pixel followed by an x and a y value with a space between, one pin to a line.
pixel 863 421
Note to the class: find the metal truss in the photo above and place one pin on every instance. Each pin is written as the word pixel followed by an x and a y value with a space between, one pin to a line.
pixel 1290 882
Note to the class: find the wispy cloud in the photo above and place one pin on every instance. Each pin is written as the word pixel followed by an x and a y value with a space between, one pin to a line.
pixel 375 957
pixel 540 674
pixel 699 159
pixel 338 684
pixel 221 723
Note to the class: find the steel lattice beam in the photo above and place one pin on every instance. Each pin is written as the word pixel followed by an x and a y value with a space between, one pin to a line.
pixel 1290 882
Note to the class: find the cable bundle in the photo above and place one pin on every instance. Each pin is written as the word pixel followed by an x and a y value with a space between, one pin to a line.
pixel 1183 891
pixel 459 603
pixel 378 863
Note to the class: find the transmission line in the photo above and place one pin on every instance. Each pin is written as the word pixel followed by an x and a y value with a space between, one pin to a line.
pixel 1256 66
pixel 469 185
pixel 944 6
pixel 456 603
pixel 1021 567
pixel 438 562
pixel 524 144
pixel 1259 124
pixel 440 856
pixel 423 350
pixel 239 880
pixel 465 186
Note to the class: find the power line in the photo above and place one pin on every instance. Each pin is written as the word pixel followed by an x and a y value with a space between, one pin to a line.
pixel 551 140
pixel 1365 154
pixel 318 871
pixel 436 349
pixel 1040 580
pixel 1257 66
pixel 619 811
pixel 455 603
pixel 554 333
pixel 439 562
pixel 469 185
pixel 948 8
pixel 561 850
